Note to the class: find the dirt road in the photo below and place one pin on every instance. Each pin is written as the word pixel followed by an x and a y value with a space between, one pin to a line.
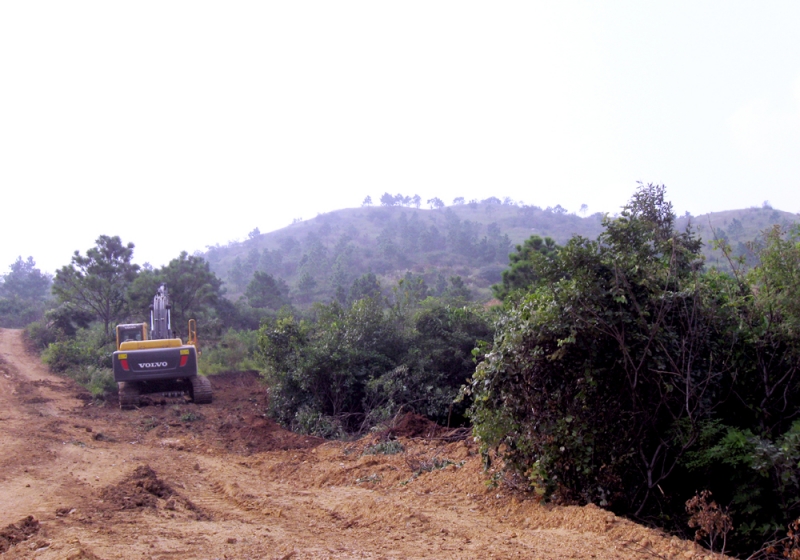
pixel 176 480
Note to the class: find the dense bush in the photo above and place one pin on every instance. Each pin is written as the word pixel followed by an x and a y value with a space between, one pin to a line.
pixel 85 357
pixel 630 378
pixel 348 368
pixel 16 313
pixel 234 352
pixel 91 347
pixel 40 334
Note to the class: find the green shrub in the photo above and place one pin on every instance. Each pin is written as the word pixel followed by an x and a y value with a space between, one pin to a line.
pixel 15 313
pixel 234 352
pixel 41 334
pixel 313 423
pixel 629 377
pixel 388 447
pixel 65 354
pixel 86 358
pixel 98 381
pixel 89 347
pixel 361 363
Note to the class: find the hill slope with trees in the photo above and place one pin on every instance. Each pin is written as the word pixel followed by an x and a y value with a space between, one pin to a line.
pixel 320 258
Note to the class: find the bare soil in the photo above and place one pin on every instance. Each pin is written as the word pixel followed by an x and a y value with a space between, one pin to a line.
pixel 79 479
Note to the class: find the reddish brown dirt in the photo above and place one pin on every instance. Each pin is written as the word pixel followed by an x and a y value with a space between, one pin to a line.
pixel 176 480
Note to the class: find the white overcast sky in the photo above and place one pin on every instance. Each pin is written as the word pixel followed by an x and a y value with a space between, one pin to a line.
pixel 178 125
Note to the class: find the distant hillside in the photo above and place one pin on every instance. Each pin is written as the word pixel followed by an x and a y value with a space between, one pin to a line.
pixel 321 257
pixel 737 228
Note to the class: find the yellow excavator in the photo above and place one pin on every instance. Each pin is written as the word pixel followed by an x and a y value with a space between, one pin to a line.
pixel 160 364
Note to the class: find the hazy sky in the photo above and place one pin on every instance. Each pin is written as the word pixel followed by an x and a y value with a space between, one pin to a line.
pixel 178 125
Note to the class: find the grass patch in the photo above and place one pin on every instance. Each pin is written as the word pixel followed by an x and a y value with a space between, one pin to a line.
pixel 389 447
pixel 149 423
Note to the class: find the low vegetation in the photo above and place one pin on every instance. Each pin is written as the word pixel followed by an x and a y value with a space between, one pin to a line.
pixel 348 368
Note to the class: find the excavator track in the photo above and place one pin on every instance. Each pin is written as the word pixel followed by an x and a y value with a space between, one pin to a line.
pixel 128 395
pixel 201 390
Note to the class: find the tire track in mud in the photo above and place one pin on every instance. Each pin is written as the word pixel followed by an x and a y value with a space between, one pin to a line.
pixel 279 511
pixel 28 406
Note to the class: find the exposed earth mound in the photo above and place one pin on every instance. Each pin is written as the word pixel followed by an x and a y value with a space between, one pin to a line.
pixel 143 489
pixel 80 479
pixel 16 533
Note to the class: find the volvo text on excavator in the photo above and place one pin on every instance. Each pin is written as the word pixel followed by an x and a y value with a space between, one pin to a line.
pixel 160 363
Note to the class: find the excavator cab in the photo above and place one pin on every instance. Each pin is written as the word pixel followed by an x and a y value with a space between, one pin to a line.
pixel 135 332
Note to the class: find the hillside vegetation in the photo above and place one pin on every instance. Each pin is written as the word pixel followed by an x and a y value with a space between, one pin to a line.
pixel 320 258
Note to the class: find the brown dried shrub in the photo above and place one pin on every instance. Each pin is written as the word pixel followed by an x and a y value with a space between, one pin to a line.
pixel 711 521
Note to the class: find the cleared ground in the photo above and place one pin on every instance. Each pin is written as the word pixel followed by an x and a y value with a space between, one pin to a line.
pixel 175 480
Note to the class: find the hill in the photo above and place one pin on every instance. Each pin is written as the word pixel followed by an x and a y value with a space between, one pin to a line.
pixel 320 258
pixel 737 228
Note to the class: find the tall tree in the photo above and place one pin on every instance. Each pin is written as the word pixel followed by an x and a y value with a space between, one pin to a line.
pixel 523 271
pixel 194 290
pixel 458 289
pixel 435 203
pixel 365 287
pixel 238 273
pixel 25 281
pixel 97 282
pixel 264 291
pixel 410 290
pixel 305 286
pixel 23 292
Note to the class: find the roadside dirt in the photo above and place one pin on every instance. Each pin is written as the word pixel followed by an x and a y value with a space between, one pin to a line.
pixel 175 480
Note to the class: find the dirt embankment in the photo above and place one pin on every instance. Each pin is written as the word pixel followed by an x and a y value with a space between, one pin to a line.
pixel 176 480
